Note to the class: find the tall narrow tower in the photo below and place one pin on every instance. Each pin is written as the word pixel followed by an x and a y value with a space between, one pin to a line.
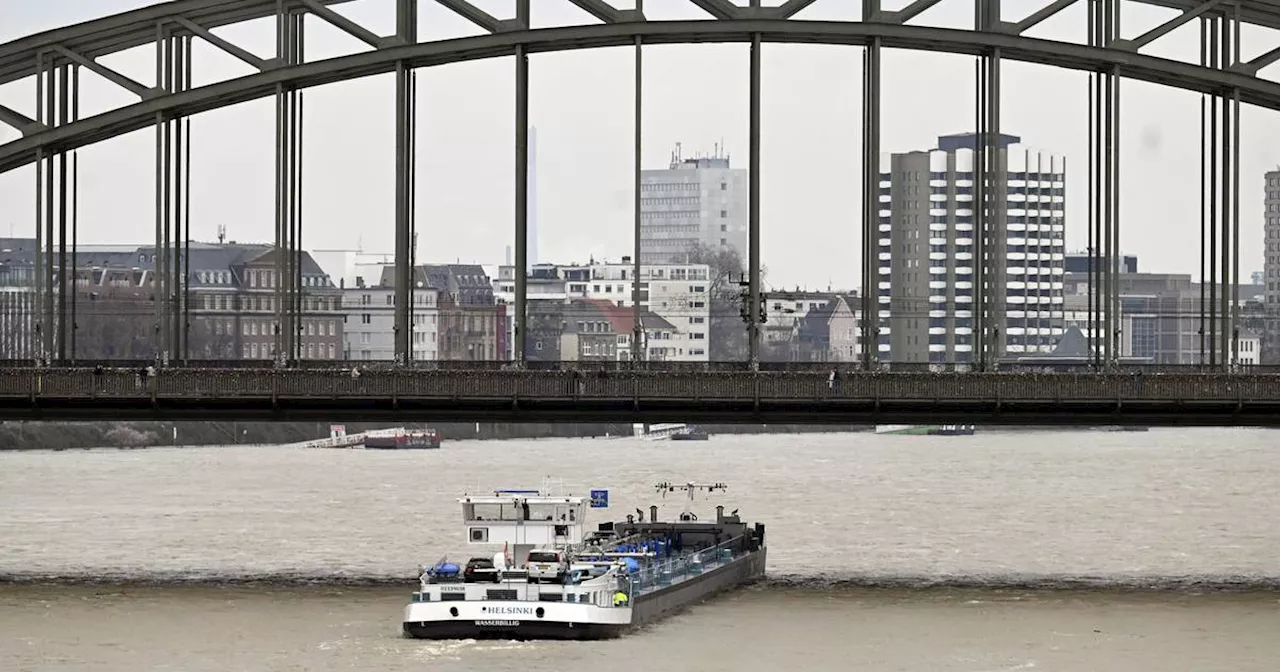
pixel 532 257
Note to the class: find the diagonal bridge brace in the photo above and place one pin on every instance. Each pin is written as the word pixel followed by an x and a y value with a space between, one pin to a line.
pixel 346 25
pixel 472 13
pixel 1165 28
pixel 20 122
pixel 600 9
pixel 228 47
pixel 142 91
pixel 907 13
pixel 1251 68
pixel 790 8
pixel 1035 18
pixel 723 10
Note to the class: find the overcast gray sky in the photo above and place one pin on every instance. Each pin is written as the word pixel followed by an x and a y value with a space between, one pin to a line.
pixel 581 103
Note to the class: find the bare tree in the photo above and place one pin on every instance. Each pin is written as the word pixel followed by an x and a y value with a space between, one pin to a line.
pixel 114 324
pixel 207 341
pixel 727 332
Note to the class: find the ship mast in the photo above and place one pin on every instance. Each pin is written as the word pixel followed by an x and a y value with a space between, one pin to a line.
pixel 690 488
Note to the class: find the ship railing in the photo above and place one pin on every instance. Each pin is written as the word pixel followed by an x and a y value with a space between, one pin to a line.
pixel 681 567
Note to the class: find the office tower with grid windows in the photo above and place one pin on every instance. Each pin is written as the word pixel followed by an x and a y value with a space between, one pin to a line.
pixel 697 203
pixel 926 267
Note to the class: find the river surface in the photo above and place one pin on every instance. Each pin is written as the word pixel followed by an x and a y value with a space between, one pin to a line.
pixel 1001 551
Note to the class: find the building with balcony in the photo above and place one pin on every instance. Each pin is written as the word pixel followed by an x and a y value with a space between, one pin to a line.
pixel 926 248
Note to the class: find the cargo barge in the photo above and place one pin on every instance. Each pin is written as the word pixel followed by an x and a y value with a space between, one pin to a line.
pixel 552 580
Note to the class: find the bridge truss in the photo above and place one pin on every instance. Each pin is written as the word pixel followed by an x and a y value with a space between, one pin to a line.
pixel 53 130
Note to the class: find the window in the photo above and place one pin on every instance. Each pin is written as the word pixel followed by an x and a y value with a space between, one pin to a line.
pixel 365 319
pixel 724 186
pixel 724 213
pixel 332 355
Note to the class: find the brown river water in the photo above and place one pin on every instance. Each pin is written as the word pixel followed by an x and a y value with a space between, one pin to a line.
pixel 1001 551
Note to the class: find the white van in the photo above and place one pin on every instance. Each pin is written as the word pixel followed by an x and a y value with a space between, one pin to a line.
pixel 547 565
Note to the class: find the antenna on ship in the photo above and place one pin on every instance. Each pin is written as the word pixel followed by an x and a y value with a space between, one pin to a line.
pixel 690 488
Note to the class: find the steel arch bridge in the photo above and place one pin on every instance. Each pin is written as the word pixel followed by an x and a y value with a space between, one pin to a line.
pixel 52 128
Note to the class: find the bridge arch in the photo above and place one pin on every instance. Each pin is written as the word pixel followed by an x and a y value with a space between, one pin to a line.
pixel 1252 89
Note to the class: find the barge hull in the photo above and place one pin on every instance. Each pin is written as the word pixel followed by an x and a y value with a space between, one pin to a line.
pixel 645 609
pixel 525 630
pixel 743 570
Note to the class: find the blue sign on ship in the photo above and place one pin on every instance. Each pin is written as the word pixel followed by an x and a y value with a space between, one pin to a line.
pixel 599 499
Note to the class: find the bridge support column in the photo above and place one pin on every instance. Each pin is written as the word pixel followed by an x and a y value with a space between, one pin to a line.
pixel 49 310
pixel 1231 195
pixel 753 208
pixel 178 210
pixel 406 160
pixel 1103 214
pixel 169 267
pixel 638 342
pixel 37 343
pixel 990 178
pixel 519 356
pixel 73 320
pixel 1220 197
pixel 870 194
pixel 288 304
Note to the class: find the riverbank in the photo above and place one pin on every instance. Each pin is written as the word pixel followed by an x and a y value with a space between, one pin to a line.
pixel 75 435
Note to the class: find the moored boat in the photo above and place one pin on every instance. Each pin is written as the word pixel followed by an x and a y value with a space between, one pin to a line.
pixel 401 439
pixel 927 430
pixel 552 580
pixel 691 434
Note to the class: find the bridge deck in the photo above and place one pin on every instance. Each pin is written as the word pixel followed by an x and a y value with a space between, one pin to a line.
pixel 653 396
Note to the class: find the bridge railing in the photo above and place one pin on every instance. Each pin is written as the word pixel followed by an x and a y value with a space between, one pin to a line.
pixel 190 383
pixel 627 366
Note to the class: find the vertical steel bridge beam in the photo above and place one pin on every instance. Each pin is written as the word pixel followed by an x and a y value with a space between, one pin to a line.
pixel 1219 312
pixel 522 193
pixel 36 344
pixel 870 324
pixel 638 344
pixel 287 299
pixel 1204 204
pixel 753 207
pixel 989 200
pixel 406 107
pixel 1231 194
pixel 75 211
pixel 1103 267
